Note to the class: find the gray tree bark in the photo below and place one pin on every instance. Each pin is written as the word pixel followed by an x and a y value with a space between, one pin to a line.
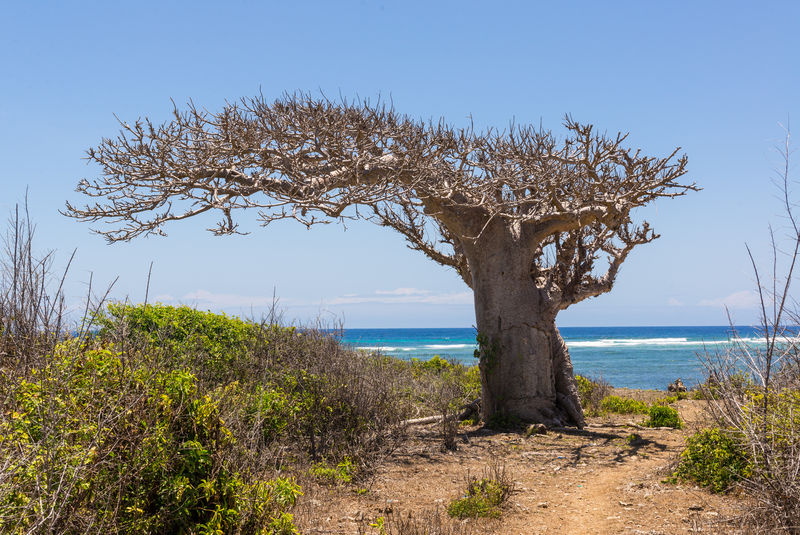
pixel 526 371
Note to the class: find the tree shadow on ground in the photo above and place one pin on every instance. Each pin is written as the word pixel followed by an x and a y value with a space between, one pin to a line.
pixel 631 446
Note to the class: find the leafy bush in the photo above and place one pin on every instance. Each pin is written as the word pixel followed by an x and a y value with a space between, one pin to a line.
pixel 483 496
pixel 272 411
pixel 446 387
pixel 467 377
pixel 753 386
pixel 206 341
pixel 307 394
pixel 91 439
pixel 663 416
pixel 778 418
pixel 591 392
pixel 328 475
pixel 697 394
pixel 173 420
pixel 713 459
pixel 623 405
pixel 435 364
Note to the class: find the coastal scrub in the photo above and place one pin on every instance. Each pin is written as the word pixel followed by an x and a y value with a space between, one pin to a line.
pixel 483 497
pixel 712 459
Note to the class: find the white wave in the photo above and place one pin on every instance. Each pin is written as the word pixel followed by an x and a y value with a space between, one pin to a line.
pixel 385 348
pixel 625 342
pixel 601 343
pixel 633 342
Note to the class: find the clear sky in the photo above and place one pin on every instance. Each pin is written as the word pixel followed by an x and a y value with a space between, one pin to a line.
pixel 715 78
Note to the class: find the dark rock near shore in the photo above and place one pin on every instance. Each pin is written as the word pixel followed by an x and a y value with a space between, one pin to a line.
pixel 677 386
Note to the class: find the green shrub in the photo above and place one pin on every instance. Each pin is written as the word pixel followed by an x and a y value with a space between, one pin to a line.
pixel 92 438
pixel 712 459
pixel 620 405
pixel 483 499
pixel 672 399
pixel 467 377
pixel 472 381
pixel 585 388
pixel 591 393
pixel 782 417
pixel 206 341
pixel 303 389
pixel 435 364
pixel 341 473
pixel 273 411
pixel 663 416
pixel 281 524
pixel 445 388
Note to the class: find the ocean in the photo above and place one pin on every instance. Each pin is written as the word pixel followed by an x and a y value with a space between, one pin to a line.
pixel 632 357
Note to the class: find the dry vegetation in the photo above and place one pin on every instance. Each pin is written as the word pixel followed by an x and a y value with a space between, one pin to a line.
pixel 169 420
pixel 754 389
pixel 154 419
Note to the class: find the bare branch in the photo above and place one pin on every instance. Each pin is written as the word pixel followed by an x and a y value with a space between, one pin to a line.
pixel 317 161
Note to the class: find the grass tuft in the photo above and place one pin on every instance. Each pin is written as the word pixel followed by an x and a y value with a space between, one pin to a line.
pixel 484 496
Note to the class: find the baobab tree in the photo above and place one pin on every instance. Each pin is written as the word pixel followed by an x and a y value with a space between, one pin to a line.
pixel 530 223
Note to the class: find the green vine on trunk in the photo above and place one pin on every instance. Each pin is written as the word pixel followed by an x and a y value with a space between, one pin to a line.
pixel 487 351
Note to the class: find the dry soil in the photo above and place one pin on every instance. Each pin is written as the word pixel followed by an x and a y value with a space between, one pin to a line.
pixel 592 481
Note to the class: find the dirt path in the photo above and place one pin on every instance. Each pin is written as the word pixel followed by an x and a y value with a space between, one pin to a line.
pixel 594 481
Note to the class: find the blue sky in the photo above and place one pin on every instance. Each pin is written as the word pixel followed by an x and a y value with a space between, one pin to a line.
pixel 715 78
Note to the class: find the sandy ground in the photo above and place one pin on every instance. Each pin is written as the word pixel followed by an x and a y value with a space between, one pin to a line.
pixel 566 481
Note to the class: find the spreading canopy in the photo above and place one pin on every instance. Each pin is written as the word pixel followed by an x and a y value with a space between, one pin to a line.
pixel 567 201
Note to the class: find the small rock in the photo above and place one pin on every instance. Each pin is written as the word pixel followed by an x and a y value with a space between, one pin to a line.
pixel 625 504
pixel 542 505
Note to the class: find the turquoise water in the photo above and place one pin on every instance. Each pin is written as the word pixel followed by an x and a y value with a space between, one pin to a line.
pixel 632 357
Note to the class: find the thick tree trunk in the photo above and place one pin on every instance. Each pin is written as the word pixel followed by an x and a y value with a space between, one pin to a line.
pixel 526 372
